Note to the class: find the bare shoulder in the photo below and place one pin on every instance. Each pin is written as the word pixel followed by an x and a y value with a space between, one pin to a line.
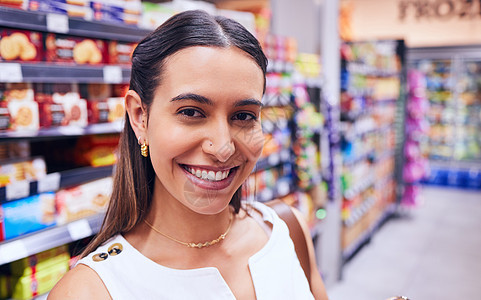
pixel 80 283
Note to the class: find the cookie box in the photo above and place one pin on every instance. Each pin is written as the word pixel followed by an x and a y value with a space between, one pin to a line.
pixel 39 262
pixel 121 52
pixel 29 214
pixel 20 45
pixel 23 115
pixel 19 170
pixel 70 49
pixel 83 200
pixel 30 286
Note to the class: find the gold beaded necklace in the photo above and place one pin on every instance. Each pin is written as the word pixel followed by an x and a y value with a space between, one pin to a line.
pixel 194 245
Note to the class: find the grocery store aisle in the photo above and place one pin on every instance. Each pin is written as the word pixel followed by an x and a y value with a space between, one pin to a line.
pixel 431 252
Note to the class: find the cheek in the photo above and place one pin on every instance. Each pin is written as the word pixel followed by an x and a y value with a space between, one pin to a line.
pixel 252 141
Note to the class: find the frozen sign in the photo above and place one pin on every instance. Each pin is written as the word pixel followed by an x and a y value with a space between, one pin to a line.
pixel 442 10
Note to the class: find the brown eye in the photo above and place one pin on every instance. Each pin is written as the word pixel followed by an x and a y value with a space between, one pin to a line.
pixel 244 117
pixel 190 112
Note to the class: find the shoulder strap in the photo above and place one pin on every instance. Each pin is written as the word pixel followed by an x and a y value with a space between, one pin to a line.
pixel 296 233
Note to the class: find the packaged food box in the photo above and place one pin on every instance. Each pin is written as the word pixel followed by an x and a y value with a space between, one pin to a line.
pixel 113 17
pixel 30 286
pixel 121 52
pixel 21 91
pixel 96 150
pixel 40 261
pixel 83 200
pixel 116 109
pixel 29 214
pixel 70 49
pixel 55 92
pixel 19 170
pixel 95 91
pixel 61 7
pixel 19 4
pixel 23 115
pixel 98 111
pixel 72 113
pixel 20 45
pixel 4 118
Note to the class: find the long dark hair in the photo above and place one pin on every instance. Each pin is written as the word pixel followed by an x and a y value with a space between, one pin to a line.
pixel 134 175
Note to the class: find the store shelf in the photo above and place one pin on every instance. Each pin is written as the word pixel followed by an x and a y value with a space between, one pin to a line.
pixel 93 29
pixel 63 73
pixel 49 238
pixel 65 131
pixel 358 212
pixel 53 182
pixel 365 237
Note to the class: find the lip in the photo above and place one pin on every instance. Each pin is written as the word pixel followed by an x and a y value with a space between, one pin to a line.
pixel 210 185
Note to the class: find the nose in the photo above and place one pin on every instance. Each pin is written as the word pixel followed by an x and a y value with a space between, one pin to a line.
pixel 219 142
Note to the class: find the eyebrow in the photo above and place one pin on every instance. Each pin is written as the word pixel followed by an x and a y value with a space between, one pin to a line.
pixel 204 100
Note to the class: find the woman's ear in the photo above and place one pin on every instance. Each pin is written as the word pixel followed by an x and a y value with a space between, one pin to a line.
pixel 137 113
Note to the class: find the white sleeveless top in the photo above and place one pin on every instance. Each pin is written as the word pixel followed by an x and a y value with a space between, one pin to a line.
pixel 127 274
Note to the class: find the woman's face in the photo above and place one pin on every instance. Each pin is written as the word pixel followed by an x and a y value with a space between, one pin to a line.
pixel 204 131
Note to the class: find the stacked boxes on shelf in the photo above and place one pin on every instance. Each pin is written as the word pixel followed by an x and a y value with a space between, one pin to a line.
pixel 370 90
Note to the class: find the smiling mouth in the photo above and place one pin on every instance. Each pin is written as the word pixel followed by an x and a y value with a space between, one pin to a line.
pixel 209 175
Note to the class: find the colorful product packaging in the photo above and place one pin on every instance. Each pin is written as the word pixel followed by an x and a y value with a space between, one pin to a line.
pixel 121 52
pixel 14 171
pixel 124 12
pixel 96 150
pixel 22 112
pixel 19 4
pixel 77 9
pixel 40 261
pixel 84 200
pixel 41 282
pixel 70 49
pixel 29 214
pixel 20 45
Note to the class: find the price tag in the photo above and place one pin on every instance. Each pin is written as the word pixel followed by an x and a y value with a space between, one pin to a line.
pixel 57 23
pixel 12 251
pixel 49 183
pixel 19 189
pixel 79 229
pixel 11 72
pixel 112 74
pixel 70 130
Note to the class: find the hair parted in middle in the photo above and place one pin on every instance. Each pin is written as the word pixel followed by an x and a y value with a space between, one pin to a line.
pixel 134 175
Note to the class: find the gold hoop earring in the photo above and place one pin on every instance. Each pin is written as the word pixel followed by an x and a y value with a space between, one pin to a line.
pixel 144 150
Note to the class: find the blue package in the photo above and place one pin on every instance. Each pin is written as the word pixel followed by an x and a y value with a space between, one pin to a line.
pixel 29 215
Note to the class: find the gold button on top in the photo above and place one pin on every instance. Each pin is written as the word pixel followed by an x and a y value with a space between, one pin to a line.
pixel 100 256
pixel 115 249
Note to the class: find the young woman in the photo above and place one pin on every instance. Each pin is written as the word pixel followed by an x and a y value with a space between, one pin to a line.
pixel 175 228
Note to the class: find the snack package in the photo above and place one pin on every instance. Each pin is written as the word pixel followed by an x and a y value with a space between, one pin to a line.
pixel 96 150
pixel 84 200
pixel 40 261
pixel 30 286
pixel 4 118
pixel 69 49
pixel 121 52
pixel 77 9
pixel 116 109
pixel 21 91
pixel 69 113
pixel 98 111
pixel 19 4
pixel 29 214
pixel 23 115
pixel 32 169
pixel 124 12
pixel 20 45
pixel 95 91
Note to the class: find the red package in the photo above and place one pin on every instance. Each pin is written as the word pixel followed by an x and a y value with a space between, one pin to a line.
pixel 20 45
pixel 98 111
pixel 64 48
pixel 121 52
pixel 51 114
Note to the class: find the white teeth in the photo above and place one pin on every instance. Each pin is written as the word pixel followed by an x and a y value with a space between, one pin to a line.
pixel 209 175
